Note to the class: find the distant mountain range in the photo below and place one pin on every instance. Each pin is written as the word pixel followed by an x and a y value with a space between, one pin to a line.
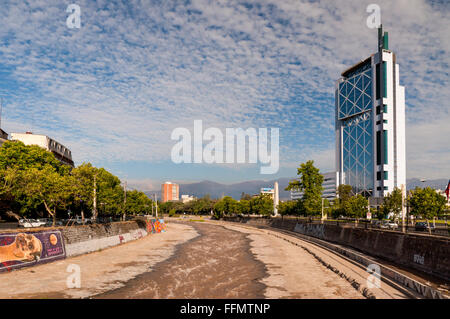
pixel 217 190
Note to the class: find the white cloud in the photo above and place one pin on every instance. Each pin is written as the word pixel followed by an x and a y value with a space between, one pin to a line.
pixel 116 88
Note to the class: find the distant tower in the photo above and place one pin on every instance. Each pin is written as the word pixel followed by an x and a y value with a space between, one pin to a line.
pixel 170 192
pixel 276 199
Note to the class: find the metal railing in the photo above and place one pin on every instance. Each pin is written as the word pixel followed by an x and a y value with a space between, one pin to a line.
pixel 439 227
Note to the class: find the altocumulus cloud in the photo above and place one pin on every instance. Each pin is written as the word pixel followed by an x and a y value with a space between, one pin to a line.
pixel 115 89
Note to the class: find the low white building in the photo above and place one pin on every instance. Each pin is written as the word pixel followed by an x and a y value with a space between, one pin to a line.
pixel 186 198
pixel 62 153
pixel 268 191
pixel 330 184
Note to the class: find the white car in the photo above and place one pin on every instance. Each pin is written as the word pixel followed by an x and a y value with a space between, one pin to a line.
pixel 389 225
pixel 29 223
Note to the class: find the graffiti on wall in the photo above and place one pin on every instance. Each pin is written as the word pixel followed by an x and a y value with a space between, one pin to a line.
pixel 156 226
pixel 27 249
pixel 315 230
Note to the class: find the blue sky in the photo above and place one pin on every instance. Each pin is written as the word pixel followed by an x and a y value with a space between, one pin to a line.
pixel 114 89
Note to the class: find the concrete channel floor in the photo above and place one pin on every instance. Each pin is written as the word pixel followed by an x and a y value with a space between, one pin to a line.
pixel 199 260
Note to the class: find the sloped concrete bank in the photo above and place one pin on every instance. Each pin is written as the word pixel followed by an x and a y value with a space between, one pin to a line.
pixel 89 238
pixel 425 253
pixel 29 247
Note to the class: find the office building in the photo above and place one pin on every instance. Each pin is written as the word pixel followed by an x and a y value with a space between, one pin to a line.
pixel 62 153
pixel 329 184
pixel 370 125
pixel 170 192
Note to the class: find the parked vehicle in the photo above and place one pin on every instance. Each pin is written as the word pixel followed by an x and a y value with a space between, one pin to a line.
pixel 376 223
pixel 104 220
pixel 29 223
pixel 423 226
pixel 389 225
pixel 79 221
pixel 46 222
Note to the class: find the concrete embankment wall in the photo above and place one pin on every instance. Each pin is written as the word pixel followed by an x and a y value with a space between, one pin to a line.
pixel 89 238
pixel 49 244
pixel 425 253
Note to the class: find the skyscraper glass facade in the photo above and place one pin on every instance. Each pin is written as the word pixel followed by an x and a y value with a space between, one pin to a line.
pixel 370 125
pixel 355 113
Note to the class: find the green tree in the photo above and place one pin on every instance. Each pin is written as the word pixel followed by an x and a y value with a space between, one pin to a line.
pixel 8 192
pixel 426 203
pixel 138 202
pixel 226 206
pixel 310 183
pixel 15 159
pixel 344 193
pixel 246 196
pixel 110 193
pixel 83 179
pixel 202 206
pixel 356 206
pixel 341 204
pixel 392 203
pixel 46 186
pixel 15 154
pixel 244 207
pixel 261 205
pixel 288 208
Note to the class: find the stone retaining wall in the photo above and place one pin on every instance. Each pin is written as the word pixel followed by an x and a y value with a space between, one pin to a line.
pixel 429 254
pixel 88 238
pixel 54 243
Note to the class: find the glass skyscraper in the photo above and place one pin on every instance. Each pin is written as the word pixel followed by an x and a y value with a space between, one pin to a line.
pixel 370 124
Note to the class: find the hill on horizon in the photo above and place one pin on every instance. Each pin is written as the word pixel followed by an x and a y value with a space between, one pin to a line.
pixel 217 190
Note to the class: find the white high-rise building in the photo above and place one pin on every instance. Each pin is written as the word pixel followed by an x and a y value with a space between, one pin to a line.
pixel 370 124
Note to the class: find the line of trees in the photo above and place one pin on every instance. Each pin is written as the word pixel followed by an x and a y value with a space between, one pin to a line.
pixel 33 183
pixel 226 206
pixel 424 203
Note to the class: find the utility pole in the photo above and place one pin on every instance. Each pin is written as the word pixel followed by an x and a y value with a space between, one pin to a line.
pixel 403 207
pixel 156 206
pixel 94 210
pixel 124 200
pixel 153 205
pixel 323 217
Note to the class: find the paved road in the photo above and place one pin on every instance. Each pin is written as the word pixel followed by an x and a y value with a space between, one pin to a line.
pixel 200 260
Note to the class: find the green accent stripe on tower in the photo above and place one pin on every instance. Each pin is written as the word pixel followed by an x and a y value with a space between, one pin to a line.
pixel 384 79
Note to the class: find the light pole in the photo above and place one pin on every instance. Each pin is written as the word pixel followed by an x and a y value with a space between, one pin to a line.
pixel 124 200
pixel 403 207
pixel 156 206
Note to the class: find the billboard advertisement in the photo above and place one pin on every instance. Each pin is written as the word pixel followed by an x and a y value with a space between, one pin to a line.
pixel 28 249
